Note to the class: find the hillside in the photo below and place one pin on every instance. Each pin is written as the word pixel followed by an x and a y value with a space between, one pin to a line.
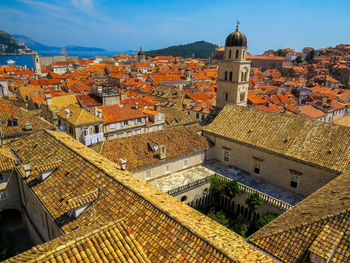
pixel 199 49
pixel 8 45
pixel 37 46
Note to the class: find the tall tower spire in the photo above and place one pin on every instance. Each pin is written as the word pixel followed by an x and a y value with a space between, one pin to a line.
pixel 234 70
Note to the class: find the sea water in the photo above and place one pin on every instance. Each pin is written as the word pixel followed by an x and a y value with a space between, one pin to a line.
pixel 27 60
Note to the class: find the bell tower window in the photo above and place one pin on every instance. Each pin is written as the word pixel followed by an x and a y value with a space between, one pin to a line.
pixel 242 76
pixel 243 54
pixel 229 53
pixel 242 96
pixel 237 53
pixel 226 96
pixel 230 75
pixel 225 75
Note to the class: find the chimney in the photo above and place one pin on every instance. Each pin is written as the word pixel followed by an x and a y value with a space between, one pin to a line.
pixel 123 164
pixel 67 112
pixel 157 107
pixel 122 96
pixel 27 170
pixel 48 98
pixel 99 113
pixel 162 154
pixel 137 105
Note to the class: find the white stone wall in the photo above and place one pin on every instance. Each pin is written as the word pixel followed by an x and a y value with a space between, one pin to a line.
pixel 174 164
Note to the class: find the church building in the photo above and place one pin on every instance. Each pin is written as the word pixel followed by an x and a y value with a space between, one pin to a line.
pixel 234 69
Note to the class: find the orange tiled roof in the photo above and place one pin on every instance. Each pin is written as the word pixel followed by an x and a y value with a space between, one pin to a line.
pixel 115 113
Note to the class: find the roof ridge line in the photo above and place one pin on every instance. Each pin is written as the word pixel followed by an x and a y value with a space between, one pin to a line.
pixel 347 210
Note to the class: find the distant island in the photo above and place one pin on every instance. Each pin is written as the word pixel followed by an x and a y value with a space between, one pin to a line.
pixel 199 49
pixel 10 46
pixel 37 46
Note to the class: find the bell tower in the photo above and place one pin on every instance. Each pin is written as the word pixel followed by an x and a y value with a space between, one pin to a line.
pixel 234 70
pixel 37 66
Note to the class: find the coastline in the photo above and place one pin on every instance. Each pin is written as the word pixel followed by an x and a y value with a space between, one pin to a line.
pixel 17 54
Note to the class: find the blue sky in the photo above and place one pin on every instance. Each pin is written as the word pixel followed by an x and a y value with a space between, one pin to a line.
pixel 122 25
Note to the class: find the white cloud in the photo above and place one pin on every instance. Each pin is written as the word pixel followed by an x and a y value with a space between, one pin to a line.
pixel 84 4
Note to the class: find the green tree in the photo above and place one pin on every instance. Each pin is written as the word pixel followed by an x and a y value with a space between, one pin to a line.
pixel 217 185
pixel 264 220
pixel 219 216
pixel 253 201
pixel 299 59
pixel 242 231
pixel 232 189
pixel 281 53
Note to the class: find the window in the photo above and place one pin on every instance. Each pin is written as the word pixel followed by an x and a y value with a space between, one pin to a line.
pixel 112 126
pixel 159 117
pixel 70 130
pixel 230 76
pixel 226 97
pixel 237 53
pixel 226 157
pixel 85 131
pixel 185 163
pixel 97 129
pixel 2 194
pixel 243 54
pixel 225 75
pixel 138 131
pixel 229 54
pixel 294 178
pixel 242 76
pixel 257 167
pixel 242 96
pixel 148 175
pixel 2 178
pixel 125 123
pixel 167 168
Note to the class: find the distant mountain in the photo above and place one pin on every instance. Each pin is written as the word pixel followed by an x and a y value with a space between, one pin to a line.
pixel 37 46
pixel 199 49
pixel 9 45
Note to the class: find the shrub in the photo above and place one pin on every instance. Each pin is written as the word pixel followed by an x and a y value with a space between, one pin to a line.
pixel 253 201
pixel 242 231
pixel 264 220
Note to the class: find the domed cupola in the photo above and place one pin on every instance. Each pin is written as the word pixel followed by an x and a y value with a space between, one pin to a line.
pixel 140 53
pixel 236 39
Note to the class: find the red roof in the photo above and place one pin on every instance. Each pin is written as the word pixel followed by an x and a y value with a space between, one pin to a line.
pixel 115 113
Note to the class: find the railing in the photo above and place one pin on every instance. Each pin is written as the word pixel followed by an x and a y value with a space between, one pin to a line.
pixel 264 197
pixel 190 186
